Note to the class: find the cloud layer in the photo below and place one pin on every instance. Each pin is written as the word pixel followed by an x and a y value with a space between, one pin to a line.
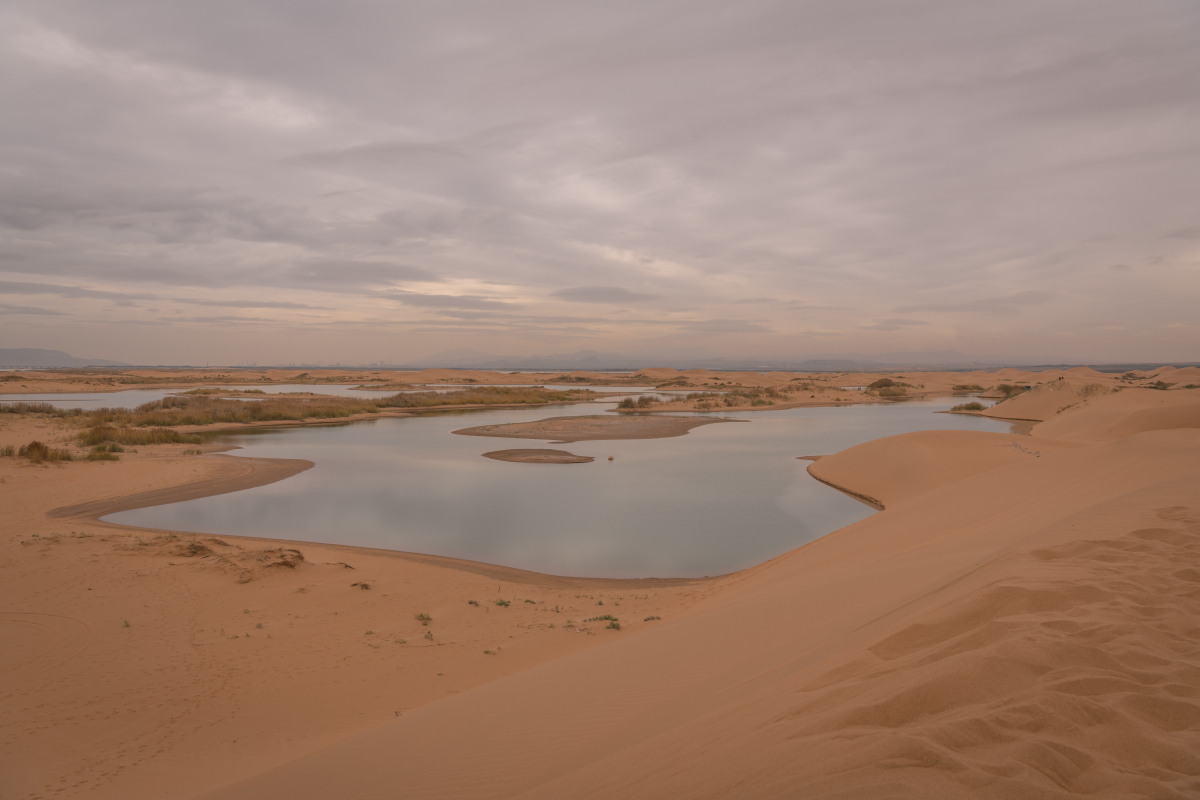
pixel 363 181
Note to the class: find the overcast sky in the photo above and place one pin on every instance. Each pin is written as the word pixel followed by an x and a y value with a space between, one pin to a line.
pixel 269 181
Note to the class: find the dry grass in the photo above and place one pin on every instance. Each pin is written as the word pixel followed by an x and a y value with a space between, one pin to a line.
pixel 37 452
pixel 106 434
pixel 200 408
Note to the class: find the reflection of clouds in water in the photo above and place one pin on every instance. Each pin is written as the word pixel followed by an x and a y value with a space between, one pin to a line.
pixel 720 498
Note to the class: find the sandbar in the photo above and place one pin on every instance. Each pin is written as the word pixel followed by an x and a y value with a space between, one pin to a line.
pixel 536 456
pixel 563 430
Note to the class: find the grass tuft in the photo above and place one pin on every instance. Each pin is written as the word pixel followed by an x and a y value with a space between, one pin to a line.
pixel 37 452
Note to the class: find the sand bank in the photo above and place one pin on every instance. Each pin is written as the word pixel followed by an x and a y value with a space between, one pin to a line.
pixel 563 430
pixel 538 457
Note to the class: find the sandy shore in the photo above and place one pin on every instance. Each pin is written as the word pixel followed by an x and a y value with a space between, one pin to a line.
pixel 1018 622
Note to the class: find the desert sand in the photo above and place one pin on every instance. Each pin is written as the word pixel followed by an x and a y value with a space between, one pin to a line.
pixel 1020 620
pixel 564 430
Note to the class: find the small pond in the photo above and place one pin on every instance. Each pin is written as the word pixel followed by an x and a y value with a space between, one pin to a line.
pixel 721 498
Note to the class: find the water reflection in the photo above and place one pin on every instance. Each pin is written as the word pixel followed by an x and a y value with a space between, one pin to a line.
pixel 721 498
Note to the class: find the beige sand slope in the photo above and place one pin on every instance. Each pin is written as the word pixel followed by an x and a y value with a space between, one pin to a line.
pixel 1028 630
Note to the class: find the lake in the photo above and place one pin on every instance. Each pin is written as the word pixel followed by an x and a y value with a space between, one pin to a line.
pixel 721 498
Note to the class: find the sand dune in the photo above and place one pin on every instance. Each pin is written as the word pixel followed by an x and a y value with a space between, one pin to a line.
pixel 1019 622
pixel 1026 631
pixel 889 471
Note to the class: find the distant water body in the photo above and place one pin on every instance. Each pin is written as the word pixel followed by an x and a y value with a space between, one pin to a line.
pixel 721 498
pixel 132 398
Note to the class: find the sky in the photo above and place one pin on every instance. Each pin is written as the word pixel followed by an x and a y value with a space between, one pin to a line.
pixel 274 182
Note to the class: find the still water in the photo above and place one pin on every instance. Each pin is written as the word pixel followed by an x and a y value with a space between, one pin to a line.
pixel 721 498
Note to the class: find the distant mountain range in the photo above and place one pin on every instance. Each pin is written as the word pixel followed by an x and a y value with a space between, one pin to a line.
pixel 33 357
pixel 596 360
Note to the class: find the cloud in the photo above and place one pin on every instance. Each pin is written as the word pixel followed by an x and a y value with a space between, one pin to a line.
pixel 47 312
pixel 22 287
pixel 725 326
pixel 338 272
pixel 988 305
pixel 1192 234
pixel 602 294
pixel 891 324
pixel 417 300
pixel 753 168
pixel 249 304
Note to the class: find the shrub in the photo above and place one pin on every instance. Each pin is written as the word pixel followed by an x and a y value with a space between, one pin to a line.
pixel 968 387
pixel 893 391
pixel 602 618
pixel 651 619
pixel 472 602
pixel 28 408
pixel 106 434
pixel 102 454
pixel 969 407
pixel 882 383
pixel 1162 385
pixel 8 451
pixel 424 619
pixel 1010 390
pixel 37 452
pixel 501 602
pixel 614 625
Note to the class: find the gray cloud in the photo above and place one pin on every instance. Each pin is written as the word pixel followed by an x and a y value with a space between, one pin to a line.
pixel 891 324
pixel 446 301
pixel 725 326
pixel 31 310
pixel 250 304
pixel 602 294
pixel 1191 234
pixel 23 287
pixel 826 167
pixel 988 305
